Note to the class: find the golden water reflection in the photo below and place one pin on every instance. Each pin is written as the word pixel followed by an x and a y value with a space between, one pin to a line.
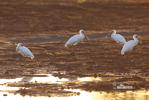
pixel 115 95
pixel 128 95
pixel 95 78
pixel 90 79
pixel 48 79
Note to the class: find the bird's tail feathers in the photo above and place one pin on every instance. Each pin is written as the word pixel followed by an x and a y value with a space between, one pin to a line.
pixel 66 45
pixel 32 57
pixel 122 52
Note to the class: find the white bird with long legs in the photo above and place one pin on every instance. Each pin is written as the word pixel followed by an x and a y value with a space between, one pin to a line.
pixel 117 37
pixel 130 44
pixel 74 40
pixel 24 51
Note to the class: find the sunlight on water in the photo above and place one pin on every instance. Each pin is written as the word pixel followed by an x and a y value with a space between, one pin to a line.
pixel 3 81
pixel 48 79
pixel 6 88
pixel 95 79
pixel 120 95
pixel 130 95
pixel 117 95
pixel 11 96
pixel 90 79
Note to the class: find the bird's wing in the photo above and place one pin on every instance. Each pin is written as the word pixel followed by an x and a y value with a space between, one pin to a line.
pixel 114 36
pixel 129 45
pixel 121 38
pixel 26 52
pixel 74 39
pixel 125 48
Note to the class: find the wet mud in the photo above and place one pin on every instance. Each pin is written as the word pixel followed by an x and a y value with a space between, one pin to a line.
pixel 45 26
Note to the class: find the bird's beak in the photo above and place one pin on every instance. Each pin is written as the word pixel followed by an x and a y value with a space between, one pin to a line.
pixel 140 39
pixel 108 35
pixel 140 42
pixel 87 38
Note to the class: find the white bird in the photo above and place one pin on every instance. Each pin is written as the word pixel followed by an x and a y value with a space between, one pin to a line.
pixel 74 40
pixel 24 51
pixel 130 45
pixel 117 37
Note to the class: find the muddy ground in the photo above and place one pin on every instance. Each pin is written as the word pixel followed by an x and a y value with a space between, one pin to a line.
pixel 45 25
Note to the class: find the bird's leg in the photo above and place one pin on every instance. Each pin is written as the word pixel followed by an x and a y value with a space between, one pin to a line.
pixel 37 62
pixel 75 43
pixel 87 38
pixel 25 60
pixel 19 61
pixel 46 51
pixel 108 35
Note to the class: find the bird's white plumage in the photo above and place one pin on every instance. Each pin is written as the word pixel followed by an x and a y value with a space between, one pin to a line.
pixel 74 40
pixel 117 37
pixel 130 45
pixel 24 51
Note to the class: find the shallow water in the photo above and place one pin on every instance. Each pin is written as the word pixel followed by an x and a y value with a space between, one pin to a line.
pixel 83 74
pixel 92 70
pixel 7 91
pixel 129 95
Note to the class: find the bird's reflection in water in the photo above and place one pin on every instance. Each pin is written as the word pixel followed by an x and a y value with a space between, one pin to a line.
pixel 26 79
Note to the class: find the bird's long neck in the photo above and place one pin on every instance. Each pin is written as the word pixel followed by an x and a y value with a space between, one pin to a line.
pixel 114 33
pixel 135 39
pixel 82 34
pixel 17 48
pixel 18 45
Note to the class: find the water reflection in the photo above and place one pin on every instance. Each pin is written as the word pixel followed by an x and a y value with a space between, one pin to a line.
pixel 26 79
pixel 128 95
pixel 52 79
pixel 96 78
pixel 115 95
pixel 48 79
pixel 3 81
pixel 6 88
pixel 90 79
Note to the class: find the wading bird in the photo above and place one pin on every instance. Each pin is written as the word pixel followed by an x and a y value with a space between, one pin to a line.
pixel 24 51
pixel 74 40
pixel 130 45
pixel 117 37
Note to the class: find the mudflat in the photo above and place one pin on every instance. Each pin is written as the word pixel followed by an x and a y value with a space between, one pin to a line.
pixel 45 25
